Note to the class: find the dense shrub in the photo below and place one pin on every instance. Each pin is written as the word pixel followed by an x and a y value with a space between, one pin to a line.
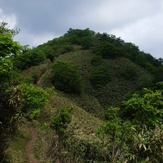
pixel 63 49
pixel 8 120
pixel 60 122
pixel 124 143
pixel 80 37
pixel 147 145
pixel 107 50
pixel 49 52
pixel 8 45
pixel 145 108
pixel 86 42
pixel 32 100
pixel 66 78
pixel 32 57
pixel 6 67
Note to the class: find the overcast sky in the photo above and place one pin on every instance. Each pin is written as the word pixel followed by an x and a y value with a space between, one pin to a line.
pixel 136 21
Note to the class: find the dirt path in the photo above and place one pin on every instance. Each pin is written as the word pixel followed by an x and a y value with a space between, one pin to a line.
pixel 30 147
pixel 41 77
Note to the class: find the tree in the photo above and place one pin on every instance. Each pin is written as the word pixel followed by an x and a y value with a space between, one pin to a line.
pixel 8 49
pixel 5 30
pixel 86 42
pixel 108 50
pixel 124 141
pixel 80 37
pixel 8 46
pixel 6 67
pixel 32 100
pixel 60 122
pixel 145 108
pixel 31 57
pixel 116 135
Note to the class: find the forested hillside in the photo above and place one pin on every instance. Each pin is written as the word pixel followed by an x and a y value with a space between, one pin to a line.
pixel 90 97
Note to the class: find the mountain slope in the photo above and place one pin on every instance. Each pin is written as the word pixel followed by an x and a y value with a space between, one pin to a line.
pixel 110 70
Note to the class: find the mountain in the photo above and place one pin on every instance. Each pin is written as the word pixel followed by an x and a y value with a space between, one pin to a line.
pixel 110 69
pixel 89 77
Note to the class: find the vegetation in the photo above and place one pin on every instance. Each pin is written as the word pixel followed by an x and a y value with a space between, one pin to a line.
pixel 91 97
pixel 29 58
pixel 60 122
pixel 66 78
pixel 33 99
pixel 9 48
pixel 145 108
pixel 12 96
pixel 99 76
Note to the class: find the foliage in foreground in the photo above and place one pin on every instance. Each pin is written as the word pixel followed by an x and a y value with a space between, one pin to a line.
pixel 145 108
pixel 140 138
pixel 123 140
pixel 8 113
pixel 15 99
pixel 33 99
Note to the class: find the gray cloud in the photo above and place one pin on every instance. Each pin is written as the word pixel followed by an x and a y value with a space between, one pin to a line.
pixel 134 21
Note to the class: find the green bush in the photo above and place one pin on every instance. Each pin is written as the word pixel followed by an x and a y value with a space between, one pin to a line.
pixel 60 122
pixel 8 113
pixel 108 50
pixel 6 67
pixel 32 100
pixel 147 145
pixel 78 36
pixel 145 108
pixel 86 42
pixel 66 78
pixel 125 142
pixel 32 57
pixel 49 52
pixel 8 46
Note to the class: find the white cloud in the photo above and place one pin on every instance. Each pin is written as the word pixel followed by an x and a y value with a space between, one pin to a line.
pixel 136 21
pixel 34 39
pixel 43 38
pixel 146 33
pixel 10 19
pixel 113 13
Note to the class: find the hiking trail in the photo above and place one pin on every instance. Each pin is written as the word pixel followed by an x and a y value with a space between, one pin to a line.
pixel 30 146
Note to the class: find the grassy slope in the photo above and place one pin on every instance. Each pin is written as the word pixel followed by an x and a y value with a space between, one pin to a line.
pixel 16 152
pixel 114 91
pixel 83 126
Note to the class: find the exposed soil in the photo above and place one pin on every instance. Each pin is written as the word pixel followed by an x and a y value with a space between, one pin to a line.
pixel 30 147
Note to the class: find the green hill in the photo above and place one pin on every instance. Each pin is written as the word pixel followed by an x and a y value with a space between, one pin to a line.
pixel 106 80
pixel 95 106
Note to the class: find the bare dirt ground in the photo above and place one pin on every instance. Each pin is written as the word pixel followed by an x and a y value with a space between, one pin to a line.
pixel 30 147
